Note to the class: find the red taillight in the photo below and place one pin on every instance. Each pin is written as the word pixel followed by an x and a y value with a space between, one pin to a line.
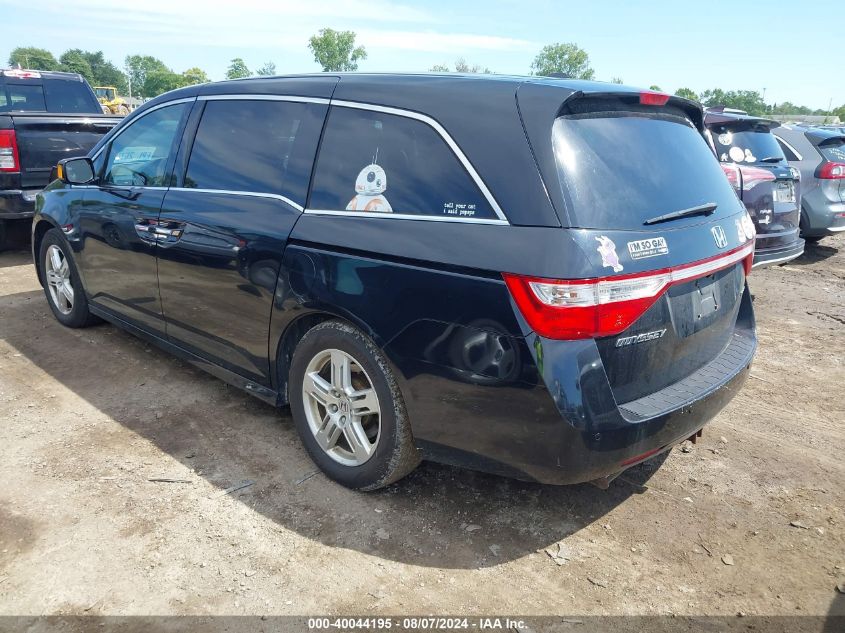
pixel 753 176
pixel 832 171
pixel 605 306
pixel 9 159
pixel 732 172
pixel 648 97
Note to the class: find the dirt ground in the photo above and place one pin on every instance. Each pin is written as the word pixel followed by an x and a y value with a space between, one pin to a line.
pixel 750 520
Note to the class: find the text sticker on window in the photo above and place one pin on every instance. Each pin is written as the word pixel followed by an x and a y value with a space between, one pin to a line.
pixel 459 209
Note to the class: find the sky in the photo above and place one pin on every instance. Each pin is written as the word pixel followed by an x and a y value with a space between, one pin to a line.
pixel 773 46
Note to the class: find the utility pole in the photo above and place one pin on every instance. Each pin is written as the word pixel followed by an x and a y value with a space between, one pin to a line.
pixel 129 81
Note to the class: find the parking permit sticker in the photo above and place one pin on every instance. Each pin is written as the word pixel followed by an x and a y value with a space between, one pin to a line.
pixel 134 154
pixel 651 247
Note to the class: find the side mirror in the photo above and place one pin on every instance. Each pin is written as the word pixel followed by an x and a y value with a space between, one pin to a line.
pixel 75 171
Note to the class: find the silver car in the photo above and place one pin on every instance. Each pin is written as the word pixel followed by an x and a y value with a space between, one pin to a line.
pixel 819 154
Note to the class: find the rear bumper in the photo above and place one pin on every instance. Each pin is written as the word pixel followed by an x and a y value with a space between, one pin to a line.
pixel 16 204
pixel 780 254
pixel 568 428
pixel 823 219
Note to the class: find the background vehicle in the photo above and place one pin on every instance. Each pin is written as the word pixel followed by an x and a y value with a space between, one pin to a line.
pixel 44 117
pixel 819 154
pixel 559 311
pixel 763 180
pixel 107 96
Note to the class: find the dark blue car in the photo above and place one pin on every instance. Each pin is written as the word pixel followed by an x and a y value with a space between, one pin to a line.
pixel 536 277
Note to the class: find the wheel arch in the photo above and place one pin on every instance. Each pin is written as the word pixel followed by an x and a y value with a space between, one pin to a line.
pixel 39 230
pixel 293 332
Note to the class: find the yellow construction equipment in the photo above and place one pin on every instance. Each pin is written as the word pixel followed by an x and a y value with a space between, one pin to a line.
pixel 112 104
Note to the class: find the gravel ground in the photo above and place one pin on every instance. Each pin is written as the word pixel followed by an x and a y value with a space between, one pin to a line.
pixel 748 520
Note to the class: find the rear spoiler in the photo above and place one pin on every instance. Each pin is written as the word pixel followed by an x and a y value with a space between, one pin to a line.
pixel 691 109
pixel 737 121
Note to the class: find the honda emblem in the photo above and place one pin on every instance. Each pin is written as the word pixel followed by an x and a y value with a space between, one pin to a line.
pixel 719 236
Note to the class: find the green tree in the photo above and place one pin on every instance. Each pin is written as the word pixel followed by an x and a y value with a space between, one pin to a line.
pixel 461 66
pixel 104 72
pixel 566 58
pixel 786 107
pixel 267 70
pixel 33 58
pixel 616 80
pixel 749 100
pixel 194 76
pixel 335 51
pixel 143 67
pixel 237 69
pixel 655 87
pixel 686 93
pixel 840 112
pixel 160 81
pixel 75 61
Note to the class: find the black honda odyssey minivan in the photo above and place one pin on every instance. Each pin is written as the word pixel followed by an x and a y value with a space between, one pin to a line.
pixel 536 277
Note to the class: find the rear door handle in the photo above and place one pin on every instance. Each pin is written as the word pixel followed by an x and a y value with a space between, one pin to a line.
pixel 163 233
pixel 158 231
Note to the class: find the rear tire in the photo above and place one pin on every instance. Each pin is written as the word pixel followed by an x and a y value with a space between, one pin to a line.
pixel 3 233
pixel 61 282
pixel 813 239
pixel 348 409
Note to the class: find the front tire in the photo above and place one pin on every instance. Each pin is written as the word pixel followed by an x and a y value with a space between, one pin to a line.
pixel 61 282
pixel 348 409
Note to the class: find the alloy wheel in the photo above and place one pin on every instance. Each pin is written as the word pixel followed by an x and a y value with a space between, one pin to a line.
pixel 341 407
pixel 57 270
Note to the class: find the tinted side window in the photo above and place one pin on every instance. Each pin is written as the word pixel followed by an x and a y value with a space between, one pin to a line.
pixel 70 96
pixel 138 156
pixel 385 163
pixel 257 146
pixel 790 155
pixel 25 97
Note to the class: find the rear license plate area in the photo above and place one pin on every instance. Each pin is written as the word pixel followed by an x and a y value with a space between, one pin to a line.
pixel 784 191
pixel 706 297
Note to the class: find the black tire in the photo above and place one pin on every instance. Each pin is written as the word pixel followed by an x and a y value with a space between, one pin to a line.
pixel 813 239
pixel 79 316
pixel 394 455
pixel 3 233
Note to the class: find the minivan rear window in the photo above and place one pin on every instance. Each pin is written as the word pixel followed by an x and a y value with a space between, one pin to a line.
pixel 620 168
pixel 747 146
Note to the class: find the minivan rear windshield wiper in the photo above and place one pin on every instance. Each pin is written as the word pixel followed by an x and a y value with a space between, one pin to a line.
pixel 702 209
pixel 771 159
